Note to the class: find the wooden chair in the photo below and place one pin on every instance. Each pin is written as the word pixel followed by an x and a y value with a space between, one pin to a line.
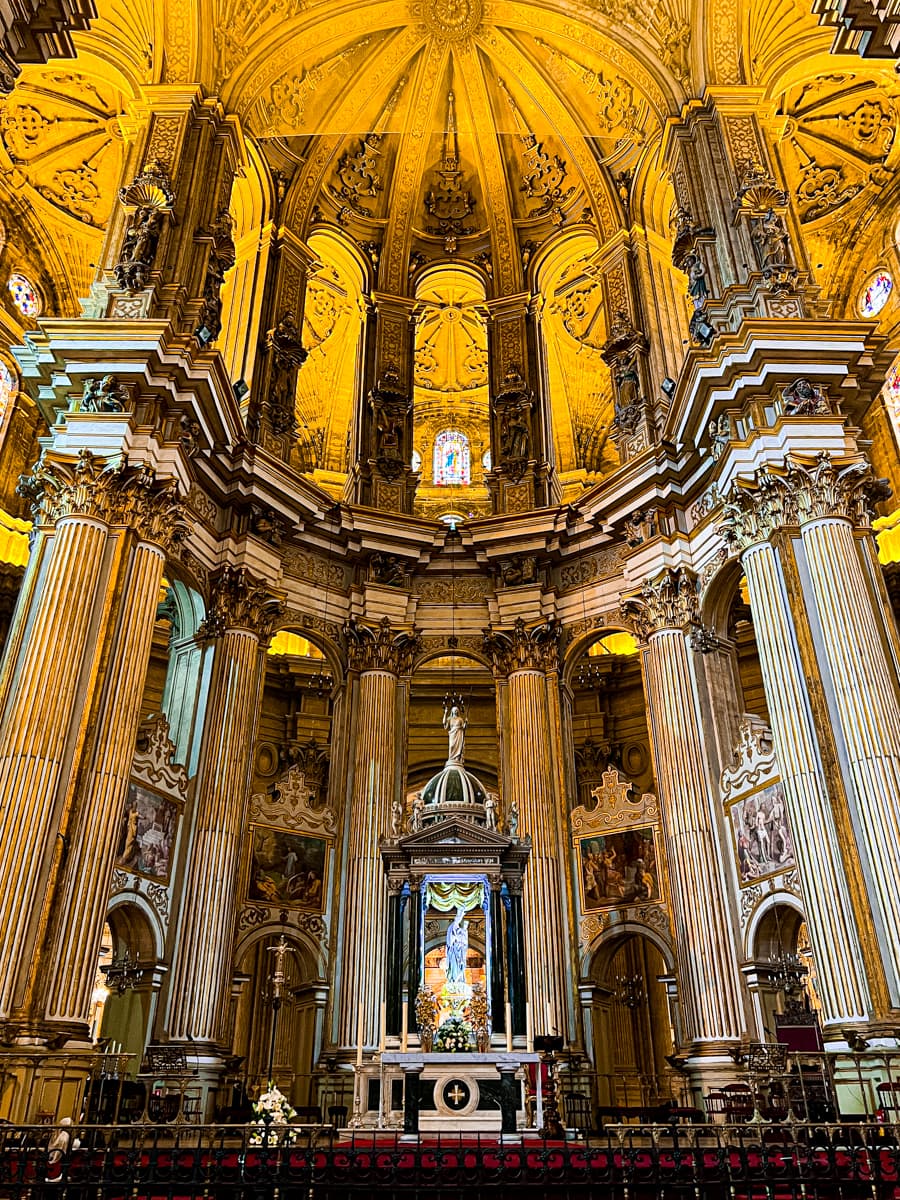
pixel 337 1115
pixel 577 1109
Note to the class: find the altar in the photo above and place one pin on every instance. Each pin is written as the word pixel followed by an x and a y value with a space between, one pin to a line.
pixel 474 1092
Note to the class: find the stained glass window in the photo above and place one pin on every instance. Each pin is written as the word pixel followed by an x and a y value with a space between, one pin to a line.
pixel 451 458
pixel 8 389
pixel 24 296
pixel 875 294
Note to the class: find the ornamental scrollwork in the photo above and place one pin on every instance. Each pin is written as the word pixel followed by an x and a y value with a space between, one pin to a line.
pixel 240 601
pixel 523 649
pixel 111 491
pixel 380 648
pixel 670 601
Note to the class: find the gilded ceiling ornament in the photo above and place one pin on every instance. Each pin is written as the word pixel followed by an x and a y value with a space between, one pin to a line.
pixel 358 175
pixel 544 175
pixel 448 201
pixel 618 113
pixel 449 20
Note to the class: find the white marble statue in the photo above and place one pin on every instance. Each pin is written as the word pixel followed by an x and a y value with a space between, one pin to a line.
pixel 455 724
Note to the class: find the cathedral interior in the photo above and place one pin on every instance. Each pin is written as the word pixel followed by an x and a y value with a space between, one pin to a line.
pixel 449 565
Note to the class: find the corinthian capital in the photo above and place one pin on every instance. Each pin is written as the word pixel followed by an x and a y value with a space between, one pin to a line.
pixel 827 487
pixel 114 492
pixel 667 602
pixel 380 648
pixel 803 489
pixel 240 601
pixel 521 649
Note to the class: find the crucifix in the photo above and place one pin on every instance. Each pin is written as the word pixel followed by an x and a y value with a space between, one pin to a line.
pixel 281 948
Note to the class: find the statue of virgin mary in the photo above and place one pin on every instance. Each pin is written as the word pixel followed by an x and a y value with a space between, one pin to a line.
pixel 457 947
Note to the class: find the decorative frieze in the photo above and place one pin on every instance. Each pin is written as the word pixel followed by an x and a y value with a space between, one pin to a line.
pixel 523 649
pixel 670 601
pixel 240 601
pixel 380 648
pixel 114 492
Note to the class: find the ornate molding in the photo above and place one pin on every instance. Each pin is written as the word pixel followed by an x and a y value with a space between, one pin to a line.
pixel 380 648
pixel 803 489
pixel 114 492
pixel 522 649
pixel 670 601
pixel 753 760
pixel 153 758
pixel 240 601
pixel 614 806
pixel 290 804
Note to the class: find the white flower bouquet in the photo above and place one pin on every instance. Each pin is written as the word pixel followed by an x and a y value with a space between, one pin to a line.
pixel 273 1114
pixel 454 1036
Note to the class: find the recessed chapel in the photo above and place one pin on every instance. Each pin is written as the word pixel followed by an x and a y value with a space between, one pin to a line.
pixel 449 566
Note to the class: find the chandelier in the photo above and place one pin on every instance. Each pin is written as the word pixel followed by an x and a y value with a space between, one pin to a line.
pixel 630 990
pixel 123 974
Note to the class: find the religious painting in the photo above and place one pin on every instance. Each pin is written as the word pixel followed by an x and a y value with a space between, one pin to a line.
pixel 619 868
pixel 762 836
pixel 287 868
pixel 147 833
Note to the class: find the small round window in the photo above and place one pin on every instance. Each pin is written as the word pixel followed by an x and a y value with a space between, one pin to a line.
pixel 875 294
pixel 25 296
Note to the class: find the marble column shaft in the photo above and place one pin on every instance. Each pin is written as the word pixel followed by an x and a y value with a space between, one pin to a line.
pixel 364 965
pixel 865 699
pixel 709 989
pixel 203 958
pixel 840 977
pixel 40 709
pixel 82 898
pixel 530 783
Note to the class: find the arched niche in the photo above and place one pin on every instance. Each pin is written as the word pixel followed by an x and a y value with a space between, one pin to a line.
pixel 178 670
pixel 574 324
pixel 126 992
pixel 299 1020
pixel 608 705
pixel 781 971
pixel 451 406
pixel 632 1017
pixel 302 680
pixel 329 383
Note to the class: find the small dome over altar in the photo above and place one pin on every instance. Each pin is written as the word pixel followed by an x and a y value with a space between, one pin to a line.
pixel 453 785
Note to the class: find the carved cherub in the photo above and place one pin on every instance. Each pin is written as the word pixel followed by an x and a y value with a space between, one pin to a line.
pixel 104 395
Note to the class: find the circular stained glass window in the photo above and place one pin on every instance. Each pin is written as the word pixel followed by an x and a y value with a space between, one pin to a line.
pixel 875 294
pixel 25 296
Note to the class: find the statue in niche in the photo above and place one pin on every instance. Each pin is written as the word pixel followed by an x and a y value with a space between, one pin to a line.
pixel 457 947
pixel 772 242
pixel 698 288
pixel 514 435
pixel 139 249
pixel 455 724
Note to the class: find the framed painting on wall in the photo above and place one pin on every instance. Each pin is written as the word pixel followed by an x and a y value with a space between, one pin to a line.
pixel 762 836
pixel 287 868
pixel 147 833
pixel 619 867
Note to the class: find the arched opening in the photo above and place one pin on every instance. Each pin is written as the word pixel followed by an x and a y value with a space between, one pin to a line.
pixel 632 1020
pixel 178 670
pixel 282 1047
pixel 126 987
pixel 451 416
pixel 783 975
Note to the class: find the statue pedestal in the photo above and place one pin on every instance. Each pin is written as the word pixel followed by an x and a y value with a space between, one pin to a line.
pixel 456 1093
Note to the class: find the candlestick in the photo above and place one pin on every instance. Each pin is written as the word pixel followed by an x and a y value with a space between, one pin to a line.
pixel 509 1028
pixel 529 1029
pixel 359 1034
pixel 383 1026
pixel 549 1018
pixel 404 1038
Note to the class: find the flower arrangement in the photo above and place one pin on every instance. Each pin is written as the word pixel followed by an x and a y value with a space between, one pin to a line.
pixel 454 1036
pixel 273 1114
pixel 426 1016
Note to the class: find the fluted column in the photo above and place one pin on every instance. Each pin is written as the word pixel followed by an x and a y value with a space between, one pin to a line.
pixel 525 656
pixel 83 648
pixel 840 978
pixel 241 618
pixel 832 498
pixel 709 987
pixel 379 655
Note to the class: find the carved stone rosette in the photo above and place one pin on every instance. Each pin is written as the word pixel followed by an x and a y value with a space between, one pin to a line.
pixel 114 492
pixel 240 601
pixel 670 601
pixel 380 648
pixel 522 649
pixel 804 489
